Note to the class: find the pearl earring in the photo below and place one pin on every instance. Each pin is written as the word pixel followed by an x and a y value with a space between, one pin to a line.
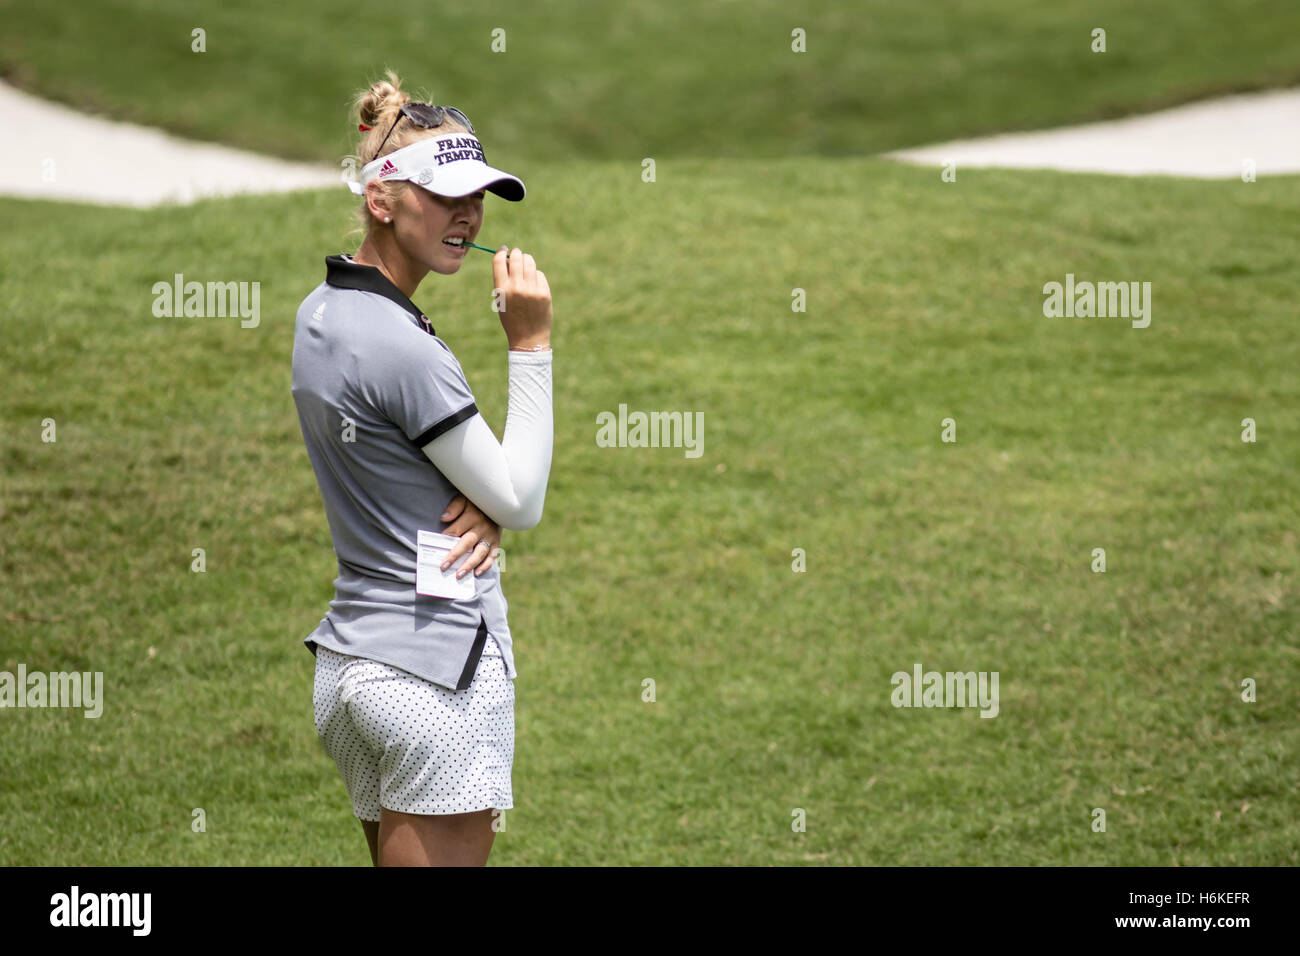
pixel 388 219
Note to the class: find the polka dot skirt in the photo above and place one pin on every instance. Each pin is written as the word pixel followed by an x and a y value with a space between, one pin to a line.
pixel 409 745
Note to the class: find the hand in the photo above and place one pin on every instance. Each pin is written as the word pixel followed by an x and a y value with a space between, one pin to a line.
pixel 526 315
pixel 477 533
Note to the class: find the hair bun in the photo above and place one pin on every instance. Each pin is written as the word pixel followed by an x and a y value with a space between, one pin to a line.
pixel 384 97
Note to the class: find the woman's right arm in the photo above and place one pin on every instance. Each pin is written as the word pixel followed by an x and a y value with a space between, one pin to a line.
pixel 506 480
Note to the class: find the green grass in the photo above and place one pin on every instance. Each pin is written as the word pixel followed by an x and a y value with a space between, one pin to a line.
pixel 822 432
pixel 619 81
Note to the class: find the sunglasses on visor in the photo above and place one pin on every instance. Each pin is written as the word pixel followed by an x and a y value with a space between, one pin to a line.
pixel 426 116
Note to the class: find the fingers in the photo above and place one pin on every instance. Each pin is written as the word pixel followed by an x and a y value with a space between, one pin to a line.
pixel 454 509
pixel 519 266
pixel 500 268
pixel 481 555
pixel 480 558
pixel 526 313
pixel 523 268
pixel 467 542
pixel 478 554
pixel 460 525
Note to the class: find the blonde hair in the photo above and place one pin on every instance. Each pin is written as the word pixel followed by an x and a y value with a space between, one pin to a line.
pixel 378 107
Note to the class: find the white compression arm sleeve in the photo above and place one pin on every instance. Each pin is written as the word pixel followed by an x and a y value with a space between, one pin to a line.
pixel 506 481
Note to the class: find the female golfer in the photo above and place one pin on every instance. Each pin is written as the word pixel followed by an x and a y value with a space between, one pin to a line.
pixel 414 660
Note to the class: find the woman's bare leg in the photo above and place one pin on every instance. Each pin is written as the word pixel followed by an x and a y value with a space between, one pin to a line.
pixel 372 839
pixel 452 839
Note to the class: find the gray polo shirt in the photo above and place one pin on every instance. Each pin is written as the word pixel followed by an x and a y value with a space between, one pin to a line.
pixel 373 384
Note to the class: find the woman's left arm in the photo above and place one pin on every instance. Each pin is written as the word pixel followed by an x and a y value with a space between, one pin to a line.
pixel 464 517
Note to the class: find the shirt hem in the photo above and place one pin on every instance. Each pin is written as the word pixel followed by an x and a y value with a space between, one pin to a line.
pixel 312 641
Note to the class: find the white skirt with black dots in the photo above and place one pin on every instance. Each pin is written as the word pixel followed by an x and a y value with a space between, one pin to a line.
pixel 404 743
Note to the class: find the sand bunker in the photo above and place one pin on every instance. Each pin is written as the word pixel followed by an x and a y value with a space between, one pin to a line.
pixel 1209 140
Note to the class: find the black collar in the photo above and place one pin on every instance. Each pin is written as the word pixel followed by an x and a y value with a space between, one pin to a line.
pixel 343 273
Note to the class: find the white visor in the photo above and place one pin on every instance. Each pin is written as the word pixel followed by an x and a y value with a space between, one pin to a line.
pixel 450 165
